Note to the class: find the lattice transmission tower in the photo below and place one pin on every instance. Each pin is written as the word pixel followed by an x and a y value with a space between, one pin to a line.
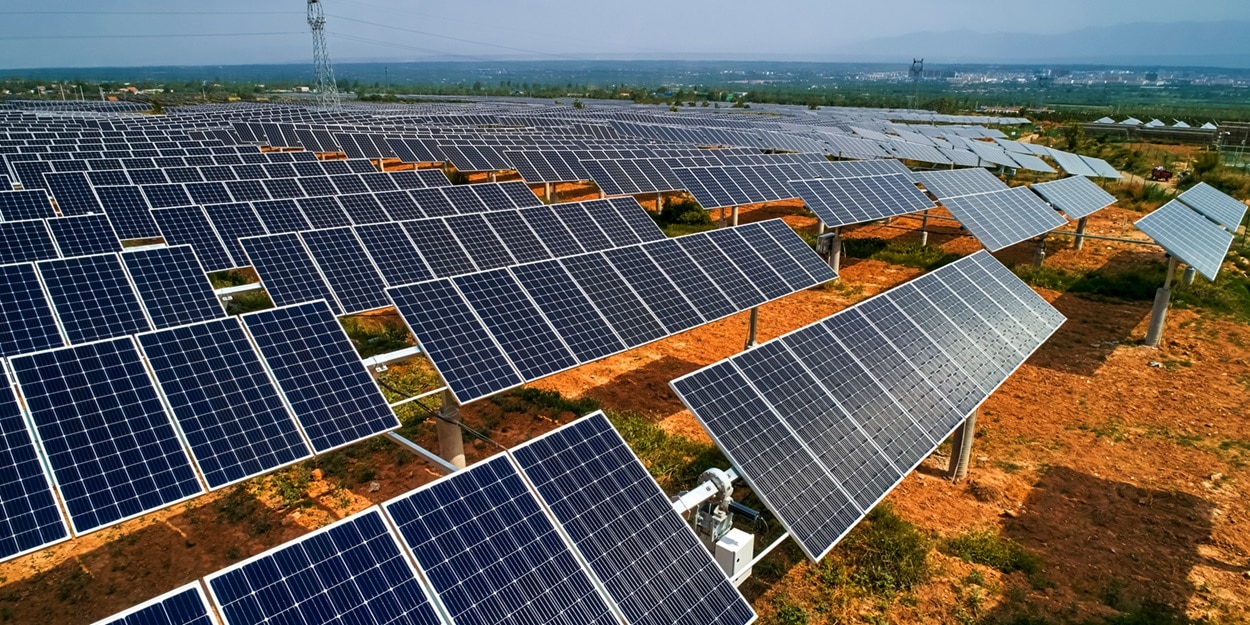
pixel 327 89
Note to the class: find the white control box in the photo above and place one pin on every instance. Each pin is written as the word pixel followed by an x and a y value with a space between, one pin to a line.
pixel 734 553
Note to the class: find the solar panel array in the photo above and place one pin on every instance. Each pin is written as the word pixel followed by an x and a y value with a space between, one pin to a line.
pixel 825 421
pixel 945 184
pixel 495 330
pixel 32 519
pixel 1216 205
pixel 1188 235
pixel 1000 219
pixel 181 606
pixel 858 200
pixel 1077 197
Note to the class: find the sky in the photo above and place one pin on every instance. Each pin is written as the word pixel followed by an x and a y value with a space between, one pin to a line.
pixel 78 33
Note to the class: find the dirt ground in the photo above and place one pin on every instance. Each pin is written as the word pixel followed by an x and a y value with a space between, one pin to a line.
pixel 1123 467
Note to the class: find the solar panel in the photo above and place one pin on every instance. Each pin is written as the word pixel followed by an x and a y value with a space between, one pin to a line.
pixel 553 233
pixel 323 212
pixel 530 343
pixel 859 200
pixel 28 323
pixel 959 182
pixel 433 202
pixel 756 269
pixel 518 239
pixel 486 250
pixel 349 184
pixel 723 272
pixel 230 412
pixel 605 214
pixel 650 562
pixel 205 193
pixel 189 226
pixel 583 227
pixel 25 241
pixel 73 194
pixel 281 216
pixel 181 606
pixel 234 222
pixel 352 571
pixel 511 559
pixel 84 235
pixel 393 253
pixel 172 286
pixel 620 305
pixel 1077 197
pixel 1191 237
pixel 92 297
pixel 32 517
pixel 1073 164
pixel 166 196
pixel 147 176
pixel 1003 218
pixel 319 372
pixel 653 286
pixel 457 342
pixel 23 205
pixel 363 209
pixel 399 205
pixel 287 270
pixel 347 269
pixel 794 275
pixel 799 251
pixel 113 452
pixel 439 247
pixel 570 312
pixel 868 393
pixel 465 200
pixel 638 219
pixel 247 190
pixel 520 194
pixel 1220 208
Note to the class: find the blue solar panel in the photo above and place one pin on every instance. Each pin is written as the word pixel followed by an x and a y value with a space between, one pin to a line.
pixel 166 195
pixel 801 252
pixel 26 320
pixel 648 559
pixel 92 297
pixel 84 235
pixel 393 253
pixel 234 222
pixel 486 250
pixel 287 270
pixel 709 300
pixel 352 571
pixel 491 554
pixel 525 336
pixel 204 193
pixel 466 356
pixel 433 202
pixel 227 407
pixel 722 271
pixel 25 241
pixel 332 395
pixel 519 240
pixel 111 446
pixel 347 269
pixel 32 518
pixel 1188 235
pixel 611 223
pixel 128 211
pixel 399 205
pixel 657 292
pixel 172 286
pixel 756 269
pixel 627 314
pixel 323 212
pixel 189 226
pixel 577 321
pixel 281 216
pixel 551 231
pixel 638 219
pixel 73 194
pixel 584 229
pixel 777 257
pixel 519 193
pixel 363 209
pixel 247 190
pixel 182 606
pixel 439 247
pixel 22 205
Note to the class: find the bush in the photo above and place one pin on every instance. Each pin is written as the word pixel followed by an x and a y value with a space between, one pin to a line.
pixel 986 547
pixel 884 554
pixel 683 212
pixel 906 253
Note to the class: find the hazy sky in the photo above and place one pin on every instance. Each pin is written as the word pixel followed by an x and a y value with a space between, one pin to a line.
pixel 78 33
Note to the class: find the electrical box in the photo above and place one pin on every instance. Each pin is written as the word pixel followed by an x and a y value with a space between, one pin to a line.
pixel 734 553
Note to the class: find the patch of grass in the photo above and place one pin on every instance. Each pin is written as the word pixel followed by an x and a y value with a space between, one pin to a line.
pixel 906 253
pixel 788 612
pixel 986 547
pixel 383 337
pixel 1111 428
pixel 681 230
pixel 250 301
pixel 884 555
pixel 675 461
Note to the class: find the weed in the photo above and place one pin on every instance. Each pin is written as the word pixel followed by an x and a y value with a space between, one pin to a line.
pixel 883 555
pixel 74 587
pixel 986 547
pixel 1112 429
pixel 788 612
pixel 906 253
pixel 291 485
pixel 522 399
pixel 391 335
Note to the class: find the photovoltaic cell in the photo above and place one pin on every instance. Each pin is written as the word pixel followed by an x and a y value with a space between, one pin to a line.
pixel 756 269
pixel 1077 196
pixel 226 406
pixel 347 269
pixel 638 219
pixel 551 231
pixel 959 182
pixel 508 562
pixel 172 286
pixel 693 283
pixel 73 194
pixel 1191 237
pixel 648 559
pixel 584 229
pixel 1003 218
pixel 25 241
pixel 778 258
pixel 1219 207
pixel 189 226
pixel 433 202
pixel 23 205
pixel 320 374
pixel 657 292
pixel 723 272
pixel 363 209
pixel 519 240
pixel 462 350
pixel 393 253
pixel 92 297
pixel 111 446
pixel 287 270
pixel 399 205
pixel 610 221
pixel 181 606
pixel 281 216
pixel 166 196
pixel 486 250
pixel 352 571
pixel 525 336
pixel 577 321
pixel 439 247
pixel 627 314
pixel 26 321
pixel 128 211
pixel 32 518
pixel 84 235
pixel 323 212
pixel 234 222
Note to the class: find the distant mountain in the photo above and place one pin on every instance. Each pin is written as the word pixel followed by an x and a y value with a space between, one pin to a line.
pixel 1175 44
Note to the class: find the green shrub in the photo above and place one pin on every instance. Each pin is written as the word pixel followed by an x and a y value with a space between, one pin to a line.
pixel 986 547
pixel 884 555
pixel 788 612
pixel 896 252
pixel 391 336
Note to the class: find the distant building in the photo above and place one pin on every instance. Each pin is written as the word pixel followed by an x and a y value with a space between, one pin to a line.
pixel 1132 121
pixel 302 90
pixel 1105 120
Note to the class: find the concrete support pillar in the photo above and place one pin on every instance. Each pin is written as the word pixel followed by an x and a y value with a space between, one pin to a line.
pixel 835 251
pixel 961 449
pixel 1079 242
pixel 924 229
pixel 548 193
pixel 1159 315
pixel 450 438
pixel 753 328
pixel 659 202
pixel 720 223
pixel 735 216
pixel 1039 254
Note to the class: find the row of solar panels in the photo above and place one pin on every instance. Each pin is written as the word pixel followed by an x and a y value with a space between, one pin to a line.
pixel 1198 227
pixel 27 168
pixel 351 267
pixel 568 528
pixel 825 421
pixel 132 424
pixel 490 331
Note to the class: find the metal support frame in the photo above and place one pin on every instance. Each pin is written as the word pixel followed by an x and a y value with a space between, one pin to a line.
pixel 1039 254
pixel 924 229
pixel 1079 243
pixel 961 448
pixel 753 329
pixel 450 438
pixel 1159 314
pixel 444 467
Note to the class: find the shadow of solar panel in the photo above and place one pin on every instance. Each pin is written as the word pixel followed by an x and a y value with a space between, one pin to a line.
pixel 92 297
pixel 513 561
pixel 648 559
pixel 230 412
pixel 32 517
pixel 181 606
pixel 172 286
pixel 352 571
pixel 112 449
pixel 320 374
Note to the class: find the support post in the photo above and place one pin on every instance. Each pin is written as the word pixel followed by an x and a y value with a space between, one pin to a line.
pixel 735 216
pixel 450 438
pixel 961 449
pixel 753 328
pixel 1079 242
pixel 659 202
pixel 924 229
pixel 547 192
pixel 490 176
pixel 1159 315
pixel 835 251
pixel 1039 255
pixel 721 222
pixel 822 229
pixel 1190 274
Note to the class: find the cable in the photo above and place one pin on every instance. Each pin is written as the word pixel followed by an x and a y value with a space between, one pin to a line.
pixel 432 412
pixel 405 47
pixel 144 36
pixel 8 13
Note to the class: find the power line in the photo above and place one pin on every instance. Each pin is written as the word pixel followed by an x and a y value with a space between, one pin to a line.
pixel 390 44
pixel 7 13
pixel 143 36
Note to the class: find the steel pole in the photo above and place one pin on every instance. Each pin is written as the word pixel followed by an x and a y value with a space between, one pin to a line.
pixel 1159 315
pixel 450 438
pixel 1079 243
